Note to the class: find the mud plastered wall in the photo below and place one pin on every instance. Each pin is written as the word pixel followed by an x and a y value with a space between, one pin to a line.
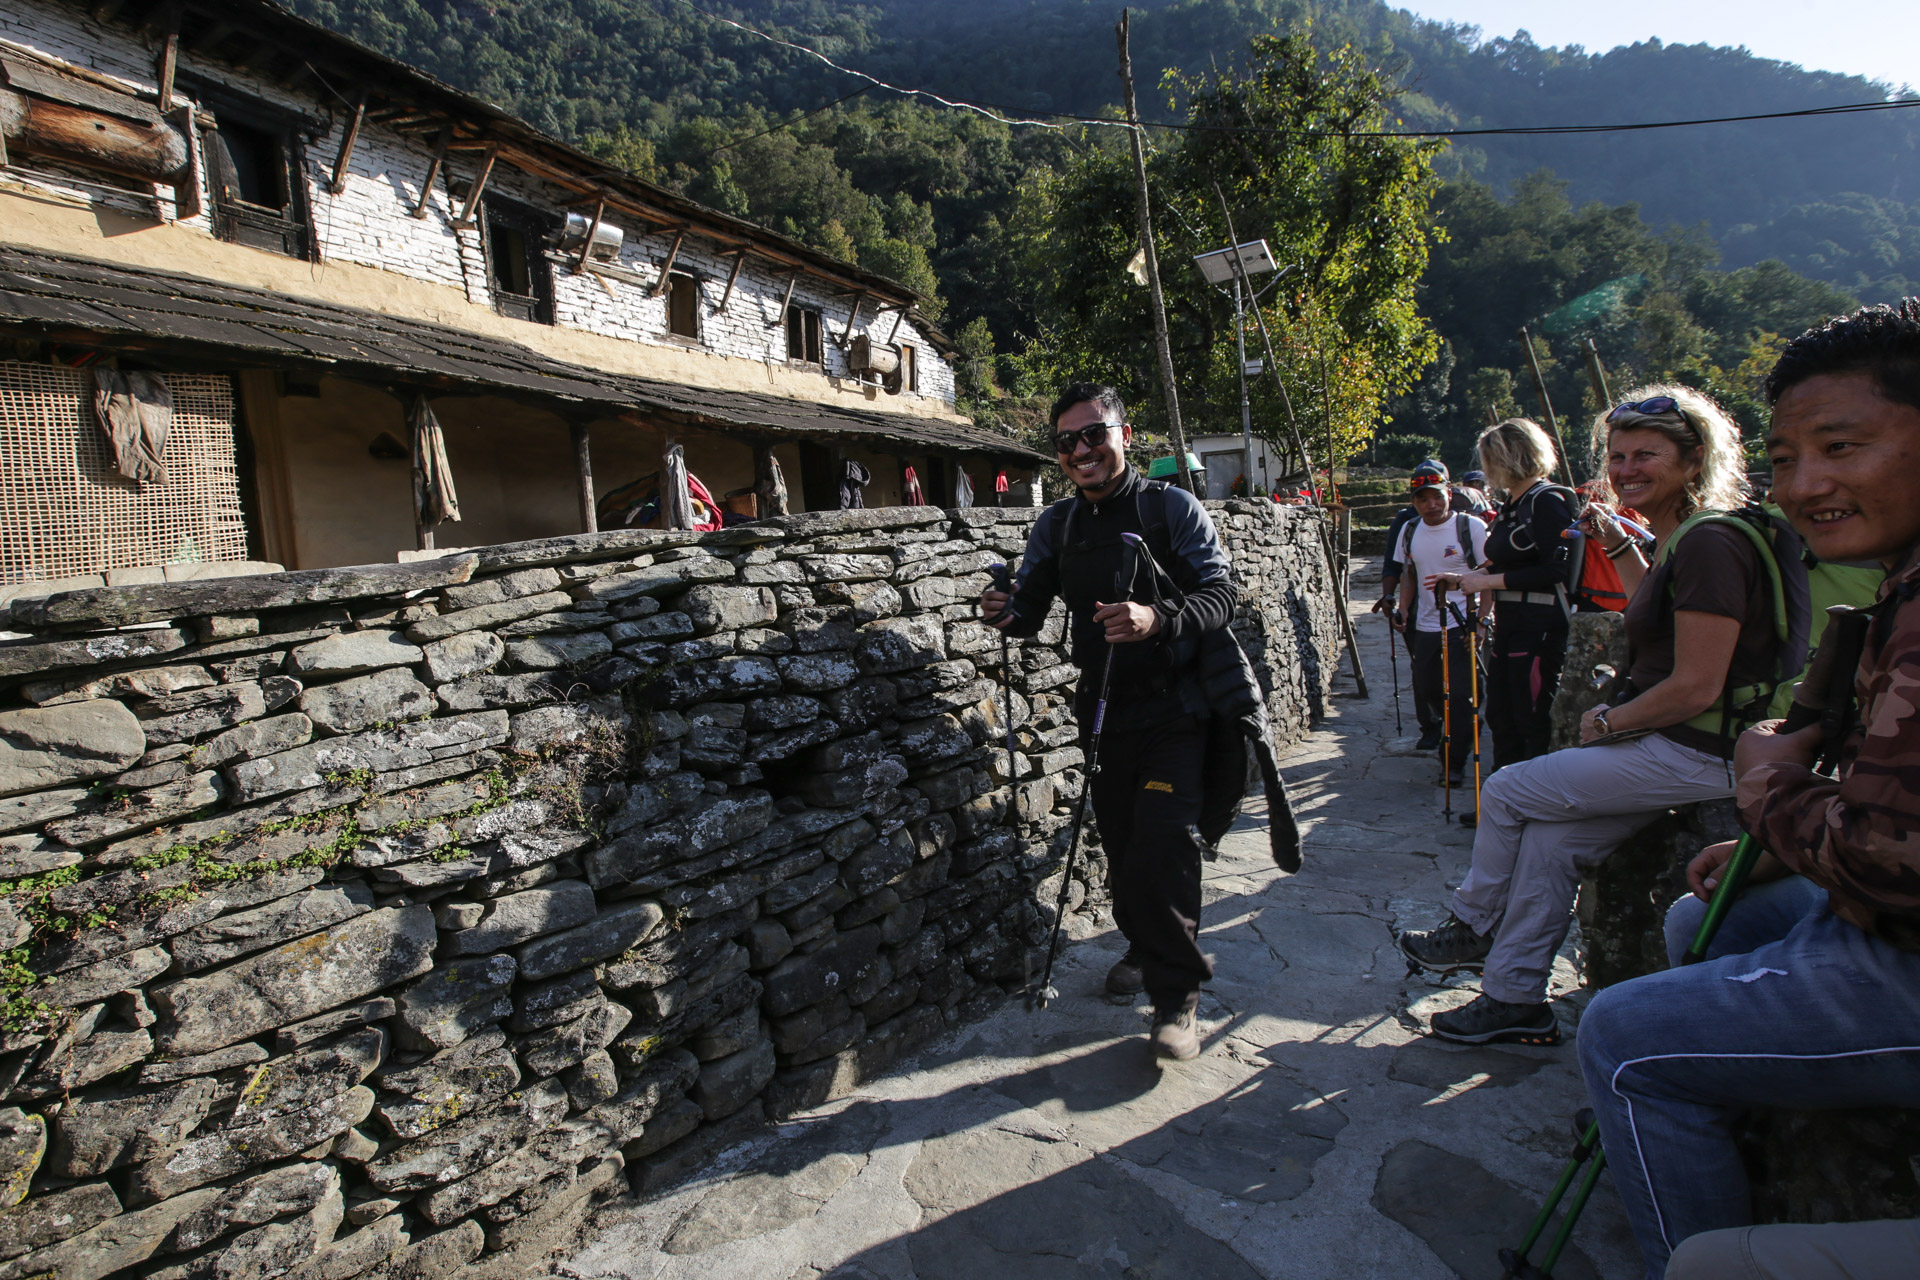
pixel 375 921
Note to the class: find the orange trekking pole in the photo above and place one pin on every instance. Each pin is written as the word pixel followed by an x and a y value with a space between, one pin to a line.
pixel 1446 706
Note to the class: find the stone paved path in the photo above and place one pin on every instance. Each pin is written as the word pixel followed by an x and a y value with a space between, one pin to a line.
pixel 1319 1135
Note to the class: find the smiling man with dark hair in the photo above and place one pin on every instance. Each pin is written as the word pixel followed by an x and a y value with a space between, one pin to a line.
pixel 1810 996
pixel 1154 743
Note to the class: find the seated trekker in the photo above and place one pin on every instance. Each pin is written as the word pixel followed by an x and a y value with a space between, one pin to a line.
pixel 1699 628
pixel 1810 994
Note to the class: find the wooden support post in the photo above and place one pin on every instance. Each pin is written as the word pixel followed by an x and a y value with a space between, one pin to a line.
pixel 739 260
pixel 1144 214
pixel 1540 385
pixel 593 229
pixel 785 302
pixel 433 171
pixel 768 482
pixel 583 465
pixel 169 60
pixel 347 144
pixel 666 268
pixel 894 332
pixel 676 503
pixel 472 205
pixel 859 299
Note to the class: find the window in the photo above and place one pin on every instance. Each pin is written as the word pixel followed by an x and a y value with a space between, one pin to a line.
pixel 909 368
pixel 683 306
pixel 517 267
pixel 803 335
pixel 253 167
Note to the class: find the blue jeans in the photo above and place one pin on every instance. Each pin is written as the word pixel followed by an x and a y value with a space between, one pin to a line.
pixel 1792 1008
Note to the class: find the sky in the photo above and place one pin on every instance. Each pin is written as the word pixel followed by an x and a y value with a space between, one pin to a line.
pixel 1875 38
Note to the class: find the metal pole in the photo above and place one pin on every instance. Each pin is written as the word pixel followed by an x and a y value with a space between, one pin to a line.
pixel 1598 373
pixel 1145 213
pixel 1240 346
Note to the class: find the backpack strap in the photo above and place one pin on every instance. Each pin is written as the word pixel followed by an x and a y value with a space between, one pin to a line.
pixel 1737 704
pixel 1462 529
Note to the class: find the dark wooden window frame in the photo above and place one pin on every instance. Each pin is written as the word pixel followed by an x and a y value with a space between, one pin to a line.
pixel 289 229
pixel 531 228
pixel 683 291
pixel 806 331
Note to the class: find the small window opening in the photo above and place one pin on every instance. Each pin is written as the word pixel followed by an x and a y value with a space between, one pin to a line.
pixel 803 334
pixel 259 161
pixel 683 306
pixel 517 267
pixel 909 368
pixel 252 162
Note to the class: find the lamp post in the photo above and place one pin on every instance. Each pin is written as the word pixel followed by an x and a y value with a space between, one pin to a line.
pixel 1231 266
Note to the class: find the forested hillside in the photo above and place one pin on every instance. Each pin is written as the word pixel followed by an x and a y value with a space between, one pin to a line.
pixel 1578 236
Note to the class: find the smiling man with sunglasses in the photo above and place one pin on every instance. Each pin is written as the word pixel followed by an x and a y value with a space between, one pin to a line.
pixel 1147 796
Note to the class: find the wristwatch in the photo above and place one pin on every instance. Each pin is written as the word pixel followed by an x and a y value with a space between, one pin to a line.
pixel 1600 721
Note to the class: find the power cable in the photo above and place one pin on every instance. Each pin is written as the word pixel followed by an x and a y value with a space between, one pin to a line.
pixel 992 110
pixel 787 124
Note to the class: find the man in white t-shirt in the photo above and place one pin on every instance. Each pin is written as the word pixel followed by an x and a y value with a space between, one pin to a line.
pixel 1440 541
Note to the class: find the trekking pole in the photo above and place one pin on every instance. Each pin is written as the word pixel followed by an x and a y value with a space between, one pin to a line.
pixel 1446 707
pixel 1393 661
pixel 1047 993
pixel 1470 621
pixel 1002 575
pixel 1824 697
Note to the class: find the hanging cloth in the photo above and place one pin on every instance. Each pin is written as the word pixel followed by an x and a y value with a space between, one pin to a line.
pixel 1000 487
pixel 136 412
pixel 434 501
pixel 962 489
pixel 915 498
pixel 854 479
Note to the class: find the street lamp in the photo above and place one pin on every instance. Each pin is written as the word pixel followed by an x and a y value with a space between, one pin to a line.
pixel 1228 266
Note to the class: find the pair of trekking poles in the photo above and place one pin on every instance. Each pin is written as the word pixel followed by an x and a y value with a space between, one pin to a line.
pixel 1824 697
pixel 1475 684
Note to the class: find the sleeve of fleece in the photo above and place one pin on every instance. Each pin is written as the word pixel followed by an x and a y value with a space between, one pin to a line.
pixel 1855 837
pixel 1038 580
pixel 1202 572
pixel 1550 517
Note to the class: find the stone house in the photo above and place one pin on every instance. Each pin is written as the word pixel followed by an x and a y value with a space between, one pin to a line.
pixel 307 241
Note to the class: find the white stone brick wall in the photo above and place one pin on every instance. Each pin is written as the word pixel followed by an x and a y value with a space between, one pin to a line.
pixel 371 221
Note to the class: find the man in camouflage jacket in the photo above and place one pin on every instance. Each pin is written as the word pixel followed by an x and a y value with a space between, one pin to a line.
pixel 1810 996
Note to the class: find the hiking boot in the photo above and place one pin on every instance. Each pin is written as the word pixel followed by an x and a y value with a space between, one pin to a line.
pixel 1176 1034
pixel 1471 818
pixel 1452 948
pixel 1429 740
pixel 1126 978
pixel 1487 1020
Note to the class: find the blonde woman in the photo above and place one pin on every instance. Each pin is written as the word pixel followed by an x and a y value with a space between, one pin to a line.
pixel 1530 570
pixel 1699 623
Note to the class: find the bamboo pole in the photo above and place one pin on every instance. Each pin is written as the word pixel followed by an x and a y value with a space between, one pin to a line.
pixel 1145 212
pixel 1540 385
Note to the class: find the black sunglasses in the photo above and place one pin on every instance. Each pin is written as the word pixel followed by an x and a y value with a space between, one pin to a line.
pixel 1650 406
pixel 1095 436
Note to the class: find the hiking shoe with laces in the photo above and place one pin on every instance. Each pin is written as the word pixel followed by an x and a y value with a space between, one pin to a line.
pixel 1429 739
pixel 1127 978
pixel 1486 1021
pixel 1452 948
pixel 1176 1034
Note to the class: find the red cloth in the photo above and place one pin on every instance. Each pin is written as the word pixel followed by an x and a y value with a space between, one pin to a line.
pixel 914 497
pixel 1000 482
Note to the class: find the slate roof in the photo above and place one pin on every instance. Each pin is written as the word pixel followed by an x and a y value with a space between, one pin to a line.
pixel 161 314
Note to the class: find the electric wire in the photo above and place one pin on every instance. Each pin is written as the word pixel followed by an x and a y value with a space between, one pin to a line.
pixel 993 110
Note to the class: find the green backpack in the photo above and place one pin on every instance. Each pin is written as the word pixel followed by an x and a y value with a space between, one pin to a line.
pixel 1801 586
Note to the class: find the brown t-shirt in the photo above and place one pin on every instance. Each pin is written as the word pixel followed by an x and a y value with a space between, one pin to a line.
pixel 1715 570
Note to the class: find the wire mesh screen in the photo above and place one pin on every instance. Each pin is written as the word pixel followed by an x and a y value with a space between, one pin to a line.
pixel 65 510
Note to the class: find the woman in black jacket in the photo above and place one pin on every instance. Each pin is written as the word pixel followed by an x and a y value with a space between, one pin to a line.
pixel 1529 569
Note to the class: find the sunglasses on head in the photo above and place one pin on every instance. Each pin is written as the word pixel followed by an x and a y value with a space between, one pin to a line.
pixel 1095 436
pixel 1422 482
pixel 1649 406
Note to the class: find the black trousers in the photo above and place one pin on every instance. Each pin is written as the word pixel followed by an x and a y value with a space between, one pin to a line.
pixel 1147 800
pixel 1429 682
pixel 1523 670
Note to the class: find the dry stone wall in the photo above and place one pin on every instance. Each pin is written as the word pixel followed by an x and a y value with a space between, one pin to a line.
pixel 375 921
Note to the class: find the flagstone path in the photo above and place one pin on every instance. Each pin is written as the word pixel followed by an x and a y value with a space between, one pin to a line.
pixel 1319 1135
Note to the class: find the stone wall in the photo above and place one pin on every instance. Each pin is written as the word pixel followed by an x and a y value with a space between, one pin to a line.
pixel 374 921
